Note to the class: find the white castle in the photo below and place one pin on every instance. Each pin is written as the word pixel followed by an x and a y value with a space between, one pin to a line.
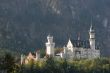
pixel 75 49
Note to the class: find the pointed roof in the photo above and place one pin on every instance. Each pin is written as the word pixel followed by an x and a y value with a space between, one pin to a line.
pixel 79 36
pixel 69 43
pixel 91 28
pixel 49 35
pixel 79 43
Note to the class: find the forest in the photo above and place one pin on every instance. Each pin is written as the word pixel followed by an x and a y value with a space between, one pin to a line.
pixel 25 24
pixel 11 64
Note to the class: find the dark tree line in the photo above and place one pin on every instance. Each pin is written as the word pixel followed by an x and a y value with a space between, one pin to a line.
pixel 51 65
pixel 9 64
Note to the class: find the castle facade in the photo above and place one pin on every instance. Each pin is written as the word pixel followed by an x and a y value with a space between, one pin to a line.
pixel 74 49
pixel 78 49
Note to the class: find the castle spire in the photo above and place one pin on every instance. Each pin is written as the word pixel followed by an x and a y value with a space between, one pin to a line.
pixel 92 37
pixel 91 28
pixel 79 37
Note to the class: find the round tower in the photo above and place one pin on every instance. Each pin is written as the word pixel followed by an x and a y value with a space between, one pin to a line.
pixel 50 46
pixel 65 52
pixel 92 37
pixel 22 59
pixel 37 54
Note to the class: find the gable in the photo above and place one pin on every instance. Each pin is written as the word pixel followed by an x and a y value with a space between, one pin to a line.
pixel 69 44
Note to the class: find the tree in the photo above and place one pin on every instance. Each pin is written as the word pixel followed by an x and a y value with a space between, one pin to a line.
pixel 8 64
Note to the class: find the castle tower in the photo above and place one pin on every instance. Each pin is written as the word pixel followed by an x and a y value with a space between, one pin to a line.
pixel 92 37
pixel 22 59
pixel 38 55
pixel 65 52
pixel 50 46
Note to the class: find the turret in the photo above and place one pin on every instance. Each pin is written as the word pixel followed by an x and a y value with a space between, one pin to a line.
pixel 38 55
pixel 65 52
pixel 22 59
pixel 50 46
pixel 92 37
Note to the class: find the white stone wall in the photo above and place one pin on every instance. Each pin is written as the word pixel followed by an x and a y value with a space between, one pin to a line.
pixel 50 46
pixel 85 53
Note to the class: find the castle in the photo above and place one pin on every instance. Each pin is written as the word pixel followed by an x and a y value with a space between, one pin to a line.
pixel 75 49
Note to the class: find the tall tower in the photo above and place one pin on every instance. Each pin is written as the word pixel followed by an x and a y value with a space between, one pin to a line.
pixel 65 52
pixel 22 59
pixel 50 46
pixel 92 37
pixel 37 54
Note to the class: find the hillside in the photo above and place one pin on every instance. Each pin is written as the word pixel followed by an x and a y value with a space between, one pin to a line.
pixel 24 24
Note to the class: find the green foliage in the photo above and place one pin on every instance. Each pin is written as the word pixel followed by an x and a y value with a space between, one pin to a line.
pixel 8 64
pixel 4 51
pixel 42 53
pixel 51 65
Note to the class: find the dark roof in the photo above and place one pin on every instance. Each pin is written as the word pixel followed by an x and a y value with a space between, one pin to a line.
pixel 81 43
